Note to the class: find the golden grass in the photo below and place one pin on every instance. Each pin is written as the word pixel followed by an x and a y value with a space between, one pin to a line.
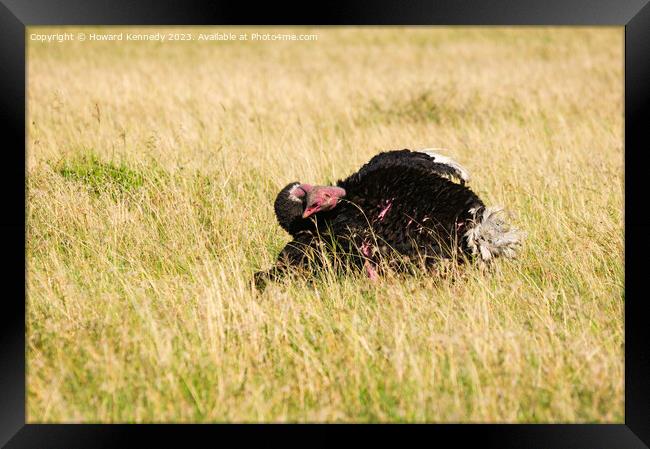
pixel 152 168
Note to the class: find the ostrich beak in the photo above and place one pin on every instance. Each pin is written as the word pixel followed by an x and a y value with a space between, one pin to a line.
pixel 322 198
pixel 310 211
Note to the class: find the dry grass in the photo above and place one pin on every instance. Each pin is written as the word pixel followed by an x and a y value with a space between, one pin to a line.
pixel 151 173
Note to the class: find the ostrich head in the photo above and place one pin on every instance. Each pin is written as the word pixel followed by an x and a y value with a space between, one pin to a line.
pixel 297 202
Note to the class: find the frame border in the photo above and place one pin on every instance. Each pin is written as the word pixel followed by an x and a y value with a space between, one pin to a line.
pixel 16 15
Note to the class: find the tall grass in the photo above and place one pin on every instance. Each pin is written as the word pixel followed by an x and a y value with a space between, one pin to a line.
pixel 151 172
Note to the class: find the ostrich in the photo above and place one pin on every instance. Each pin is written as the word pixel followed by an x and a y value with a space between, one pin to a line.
pixel 411 204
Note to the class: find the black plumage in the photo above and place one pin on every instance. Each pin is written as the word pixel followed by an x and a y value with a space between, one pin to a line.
pixel 400 205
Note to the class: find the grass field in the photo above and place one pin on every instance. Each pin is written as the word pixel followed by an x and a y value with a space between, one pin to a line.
pixel 151 171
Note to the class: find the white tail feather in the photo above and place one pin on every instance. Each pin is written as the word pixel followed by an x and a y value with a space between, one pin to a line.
pixel 490 236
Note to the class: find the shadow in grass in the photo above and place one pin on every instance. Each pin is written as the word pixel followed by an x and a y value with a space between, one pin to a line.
pixel 442 106
pixel 423 106
pixel 100 176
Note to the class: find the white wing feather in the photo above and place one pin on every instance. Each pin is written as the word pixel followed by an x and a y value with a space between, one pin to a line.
pixel 446 160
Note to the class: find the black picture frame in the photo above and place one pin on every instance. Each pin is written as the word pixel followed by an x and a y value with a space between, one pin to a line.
pixel 634 15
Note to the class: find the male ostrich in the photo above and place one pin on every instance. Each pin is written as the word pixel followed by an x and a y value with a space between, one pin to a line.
pixel 401 203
